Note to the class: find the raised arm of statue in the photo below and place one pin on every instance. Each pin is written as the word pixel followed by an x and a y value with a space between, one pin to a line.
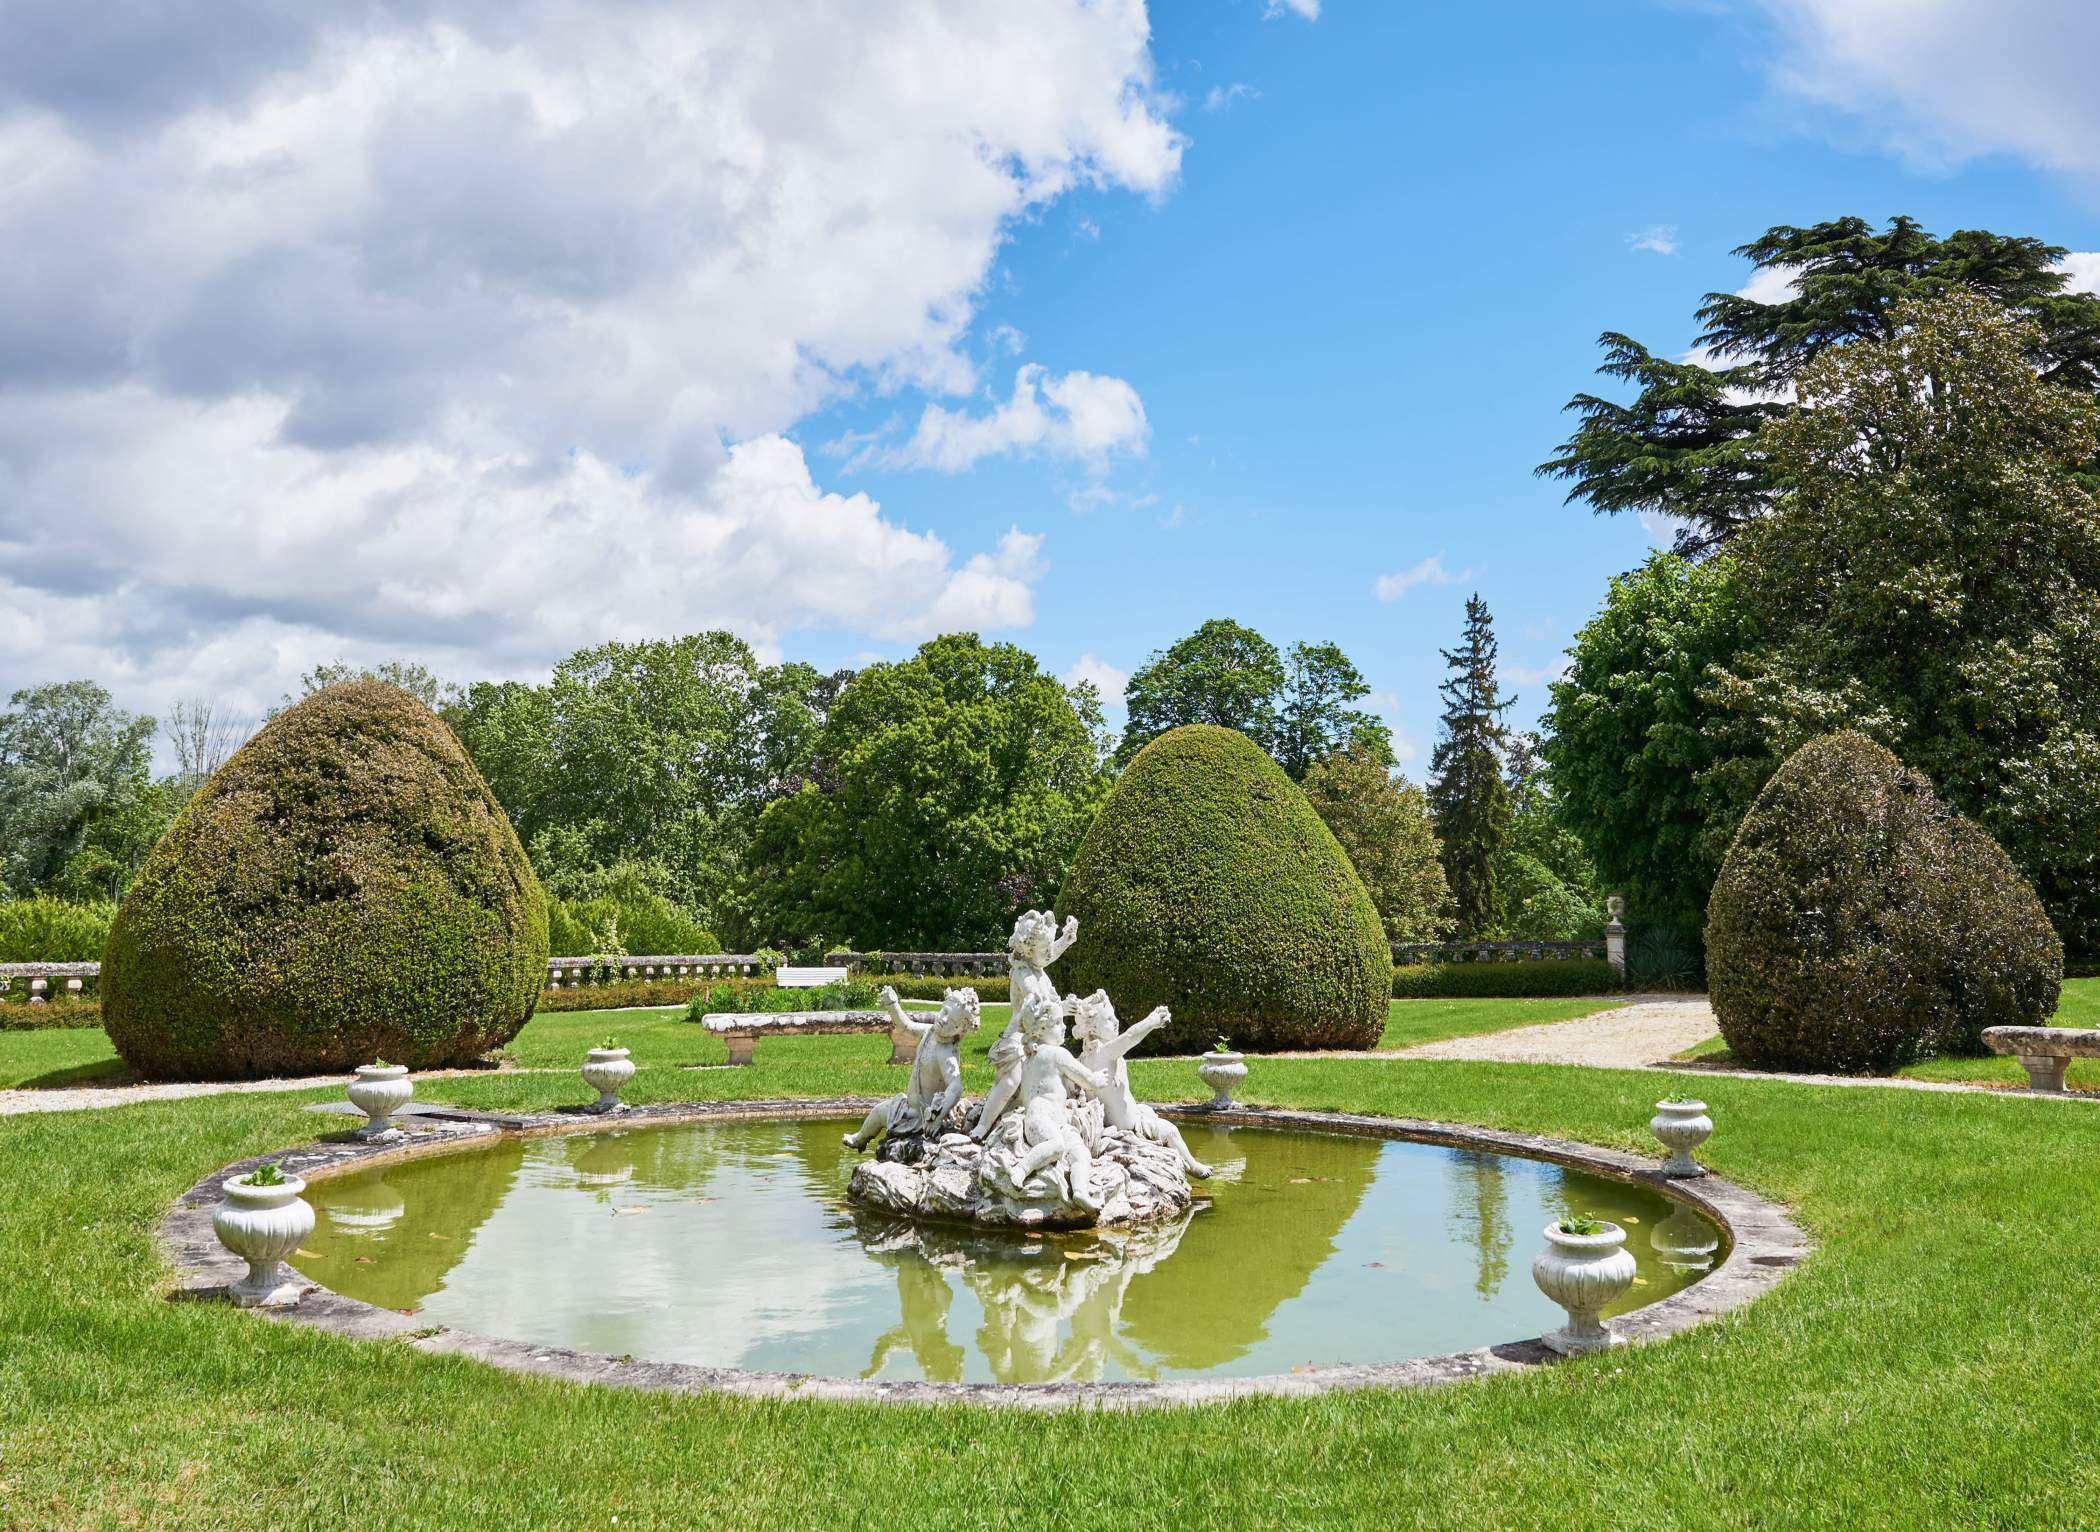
pixel 899 1015
pixel 1062 942
pixel 1127 1039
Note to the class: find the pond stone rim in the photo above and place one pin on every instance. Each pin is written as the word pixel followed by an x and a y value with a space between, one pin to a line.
pixel 1765 1244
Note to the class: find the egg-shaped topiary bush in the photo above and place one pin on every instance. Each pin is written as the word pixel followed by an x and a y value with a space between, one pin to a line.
pixel 1851 927
pixel 1208 884
pixel 2008 965
pixel 345 888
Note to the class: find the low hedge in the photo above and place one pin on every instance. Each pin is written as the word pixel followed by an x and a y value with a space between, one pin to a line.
pixel 1505 981
pixel 46 930
pixel 17 1016
pixel 990 989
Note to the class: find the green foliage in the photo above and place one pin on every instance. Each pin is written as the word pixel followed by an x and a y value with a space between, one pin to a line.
pixel 60 1013
pixel 1297 707
pixel 419 681
pixel 265 1174
pixel 47 930
pixel 1581 1224
pixel 949 793
pixel 77 805
pixel 1689 445
pixel 1467 794
pixel 1842 927
pixel 345 884
pixel 1545 884
pixel 663 752
pixel 768 998
pixel 1633 740
pixel 1382 822
pixel 990 987
pixel 1515 981
pixel 1207 883
pixel 618 910
pixel 1933 580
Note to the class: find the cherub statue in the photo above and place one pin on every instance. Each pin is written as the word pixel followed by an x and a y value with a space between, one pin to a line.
pixel 1034 946
pixel 1103 1047
pixel 935 1085
pixel 1046 1136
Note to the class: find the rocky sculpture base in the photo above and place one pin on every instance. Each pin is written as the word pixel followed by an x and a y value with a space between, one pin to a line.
pixel 942 1178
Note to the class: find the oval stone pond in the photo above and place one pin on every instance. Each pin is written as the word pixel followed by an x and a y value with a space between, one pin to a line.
pixel 731 1244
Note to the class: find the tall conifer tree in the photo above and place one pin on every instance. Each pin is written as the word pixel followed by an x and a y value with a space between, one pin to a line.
pixel 1467 792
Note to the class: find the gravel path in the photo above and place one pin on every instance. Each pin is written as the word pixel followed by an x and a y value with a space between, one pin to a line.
pixel 81 1098
pixel 1645 1034
pixel 1626 1037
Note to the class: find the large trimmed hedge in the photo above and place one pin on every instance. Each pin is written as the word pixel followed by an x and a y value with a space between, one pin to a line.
pixel 1208 884
pixel 1859 923
pixel 345 888
pixel 1504 981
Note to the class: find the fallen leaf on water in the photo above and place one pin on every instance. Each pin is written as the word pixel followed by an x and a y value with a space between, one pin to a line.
pixel 1082 1255
pixel 623 1212
pixel 1301 1180
pixel 1640 1281
pixel 435 1235
pixel 1379 1264
pixel 1629 1218
pixel 365 1260
pixel 311 1255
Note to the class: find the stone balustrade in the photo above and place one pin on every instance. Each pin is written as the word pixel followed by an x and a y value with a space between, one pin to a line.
pixel 939 964
pixel 37 982
pixel 575 972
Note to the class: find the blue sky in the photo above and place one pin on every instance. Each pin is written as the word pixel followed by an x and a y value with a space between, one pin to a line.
pixel 474 334
pixel 1356 318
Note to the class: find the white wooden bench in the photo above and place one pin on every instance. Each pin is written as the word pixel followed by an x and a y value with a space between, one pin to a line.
pixel 808 978
pixel 2045 1052
pixel 741 1030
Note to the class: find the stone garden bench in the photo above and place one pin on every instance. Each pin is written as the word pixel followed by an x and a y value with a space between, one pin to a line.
pixel 808 978
pixel 2045 1052
pixel 741 1030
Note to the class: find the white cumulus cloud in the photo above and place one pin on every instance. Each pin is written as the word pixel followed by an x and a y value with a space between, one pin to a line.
pixel 1943 81
pixel 1431 571
pixel 470 331
pixel 1659 238
pixel 1078 415
pixel 1106 678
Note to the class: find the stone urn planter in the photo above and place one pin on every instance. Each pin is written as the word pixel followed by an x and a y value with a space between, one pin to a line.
pixel 262 1225
pixel 1583 1273
pixel 379 1091
pixel 606 1071
pixel 1222 1072
pixel 1682 1126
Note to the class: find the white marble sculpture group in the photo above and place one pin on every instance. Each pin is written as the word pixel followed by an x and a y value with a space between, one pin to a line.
pixel 1059 1140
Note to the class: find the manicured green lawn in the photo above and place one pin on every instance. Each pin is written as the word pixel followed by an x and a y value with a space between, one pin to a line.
pixel 1930 1367
pixel 56 1056
pixel 1409 1022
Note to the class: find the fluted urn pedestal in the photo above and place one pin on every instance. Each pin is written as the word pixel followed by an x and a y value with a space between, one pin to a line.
pixel 262 1225
pixel 1584 1274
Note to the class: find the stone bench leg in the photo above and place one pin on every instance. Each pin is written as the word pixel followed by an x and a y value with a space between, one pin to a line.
pixel 903 1046
pixel 2045 1072
pixel 740 1046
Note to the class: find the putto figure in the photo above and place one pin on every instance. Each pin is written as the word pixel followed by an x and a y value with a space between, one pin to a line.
pixel 1104 1045
pixel 1034 946
pixel 1044 1137
pixel 935 1085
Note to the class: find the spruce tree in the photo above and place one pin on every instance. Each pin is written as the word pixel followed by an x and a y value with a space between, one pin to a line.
pixel 1467 792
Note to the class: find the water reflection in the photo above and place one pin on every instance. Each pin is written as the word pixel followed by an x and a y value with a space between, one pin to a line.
pixel 1684 1241
pixel 731 1244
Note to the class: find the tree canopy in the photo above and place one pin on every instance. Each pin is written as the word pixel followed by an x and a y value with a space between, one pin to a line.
pixel 946 793
pixel 1932 578
pixel 1382 822
pixel 1297 706
pixel 1688 444
pixel 77 811
pixel 1467 792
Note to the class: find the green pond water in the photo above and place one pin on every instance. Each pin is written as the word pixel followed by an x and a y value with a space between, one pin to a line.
pixel 732 1245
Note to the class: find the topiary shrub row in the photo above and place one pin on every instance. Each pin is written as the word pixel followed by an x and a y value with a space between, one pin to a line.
pixel 1207 884
pixel 1859 923
pixel 52 1016
pixel 345 887
pixel 1466 981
